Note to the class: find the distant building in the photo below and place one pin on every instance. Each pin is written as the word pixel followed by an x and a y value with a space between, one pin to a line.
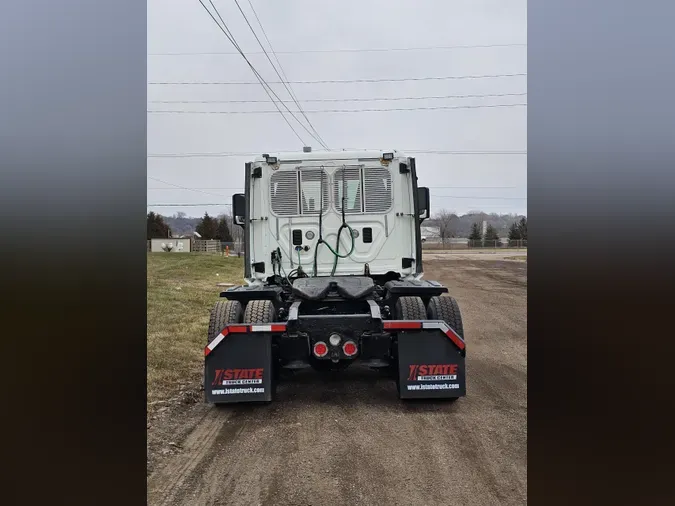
pixel 430 234
pixel 170 245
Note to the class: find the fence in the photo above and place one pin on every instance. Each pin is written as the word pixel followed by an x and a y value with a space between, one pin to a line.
pixel 237 248
pixel 206 246
pixel 466 244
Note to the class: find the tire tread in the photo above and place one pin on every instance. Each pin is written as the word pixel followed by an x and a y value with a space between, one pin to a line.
pixel 446 309
pixel 224 312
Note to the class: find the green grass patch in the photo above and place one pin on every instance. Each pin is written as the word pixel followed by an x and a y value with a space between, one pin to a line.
pixel 182 288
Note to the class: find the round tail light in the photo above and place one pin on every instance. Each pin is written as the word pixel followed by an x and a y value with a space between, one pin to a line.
pixel 320 349
pixel 350 348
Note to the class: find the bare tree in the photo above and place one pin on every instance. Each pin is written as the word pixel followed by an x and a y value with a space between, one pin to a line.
pixel 447 224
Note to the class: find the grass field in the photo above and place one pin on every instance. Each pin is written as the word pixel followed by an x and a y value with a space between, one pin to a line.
pixel 182 288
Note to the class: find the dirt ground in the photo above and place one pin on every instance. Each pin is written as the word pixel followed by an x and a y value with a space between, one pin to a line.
pixel 349 440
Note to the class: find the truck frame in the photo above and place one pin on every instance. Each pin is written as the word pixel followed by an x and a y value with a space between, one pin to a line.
pixel 306 304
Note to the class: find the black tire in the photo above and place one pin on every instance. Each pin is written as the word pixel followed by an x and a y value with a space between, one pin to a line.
pixel 446 309
pixel 260 311
pixel 224 312
pixel 410 308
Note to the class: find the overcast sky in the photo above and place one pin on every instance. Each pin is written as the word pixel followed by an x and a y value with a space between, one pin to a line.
pixel 296 26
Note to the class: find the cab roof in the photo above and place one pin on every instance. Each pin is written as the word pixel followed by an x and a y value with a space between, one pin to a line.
pixel 289 156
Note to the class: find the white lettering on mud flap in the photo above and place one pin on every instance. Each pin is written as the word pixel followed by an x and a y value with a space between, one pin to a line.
pixel 230 391
pixel 436 386
pixel 447 377
pixel 242 382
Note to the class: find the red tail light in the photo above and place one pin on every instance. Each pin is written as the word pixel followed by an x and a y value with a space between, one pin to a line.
pixel 350 348
pixel 320 349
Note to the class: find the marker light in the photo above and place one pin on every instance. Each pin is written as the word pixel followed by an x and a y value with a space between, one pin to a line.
pixel 320 349
pixel 387 157
pixel 272 160
pixel 350 348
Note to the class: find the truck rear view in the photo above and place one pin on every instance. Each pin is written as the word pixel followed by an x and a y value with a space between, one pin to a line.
pixel 333 272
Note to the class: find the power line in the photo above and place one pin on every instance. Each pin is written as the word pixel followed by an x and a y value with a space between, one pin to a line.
pixel 342 81
pixel 412 151
pixel 262 81
pixel 367 50
pixel 432 187
pixel 467 153
pixel 266 87
pixel 349 110
pixel 375 99
pixel 284 78
pixel 185 188
pixel 477 197
pixel 437 196
pixel 187 205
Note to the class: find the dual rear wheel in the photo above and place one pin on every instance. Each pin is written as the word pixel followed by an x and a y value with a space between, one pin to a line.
pixel 228 312
pixel 438 308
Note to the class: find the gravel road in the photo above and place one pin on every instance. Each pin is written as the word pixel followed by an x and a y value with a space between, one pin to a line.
pixel 348 440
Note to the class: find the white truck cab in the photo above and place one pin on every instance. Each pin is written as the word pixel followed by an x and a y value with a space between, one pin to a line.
pixel 297 204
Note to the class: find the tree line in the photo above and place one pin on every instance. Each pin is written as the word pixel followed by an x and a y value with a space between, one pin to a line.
pixel 517 232
pixel 208 227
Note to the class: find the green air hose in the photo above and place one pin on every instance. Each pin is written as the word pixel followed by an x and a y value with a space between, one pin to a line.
pixel 344 225
pixel 336 251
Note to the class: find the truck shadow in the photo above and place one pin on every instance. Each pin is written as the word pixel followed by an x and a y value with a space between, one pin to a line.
pixel 349 389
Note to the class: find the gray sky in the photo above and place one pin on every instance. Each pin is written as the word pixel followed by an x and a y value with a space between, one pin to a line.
pixel 301 25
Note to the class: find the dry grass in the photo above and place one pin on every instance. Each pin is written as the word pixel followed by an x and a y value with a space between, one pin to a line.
pixel 519 258
pixel 182 288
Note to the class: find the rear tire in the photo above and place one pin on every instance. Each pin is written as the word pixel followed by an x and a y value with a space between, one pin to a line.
pixel 446 309
pixel 263 311
pixel 224 312
pixel 410 308
pixel 260 311
pixel 407 308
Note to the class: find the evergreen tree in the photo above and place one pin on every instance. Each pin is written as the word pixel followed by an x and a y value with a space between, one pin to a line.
pixel 514 232
pixel 157 229
pixel 522 228
pixel 208 227
pixel 491 238
pixel 223 232
pixel 476 236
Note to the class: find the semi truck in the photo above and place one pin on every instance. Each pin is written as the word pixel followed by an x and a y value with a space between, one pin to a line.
pixel 333 275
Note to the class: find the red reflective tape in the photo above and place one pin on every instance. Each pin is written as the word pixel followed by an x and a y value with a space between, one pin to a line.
pixel 455 339
pixel 207 350
pixel 400 324
pixel 279 328
pixel 237 329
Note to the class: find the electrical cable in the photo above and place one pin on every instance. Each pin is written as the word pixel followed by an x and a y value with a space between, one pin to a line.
pixel 287 86
pixel 259 77
pixel 320 240
pixel 364 50
pixel 319 111
pixel 261 81
pixel 344 81
pixel 358 99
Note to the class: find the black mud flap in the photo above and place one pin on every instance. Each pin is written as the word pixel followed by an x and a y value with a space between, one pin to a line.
pixel 239 369
pixel 431 366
